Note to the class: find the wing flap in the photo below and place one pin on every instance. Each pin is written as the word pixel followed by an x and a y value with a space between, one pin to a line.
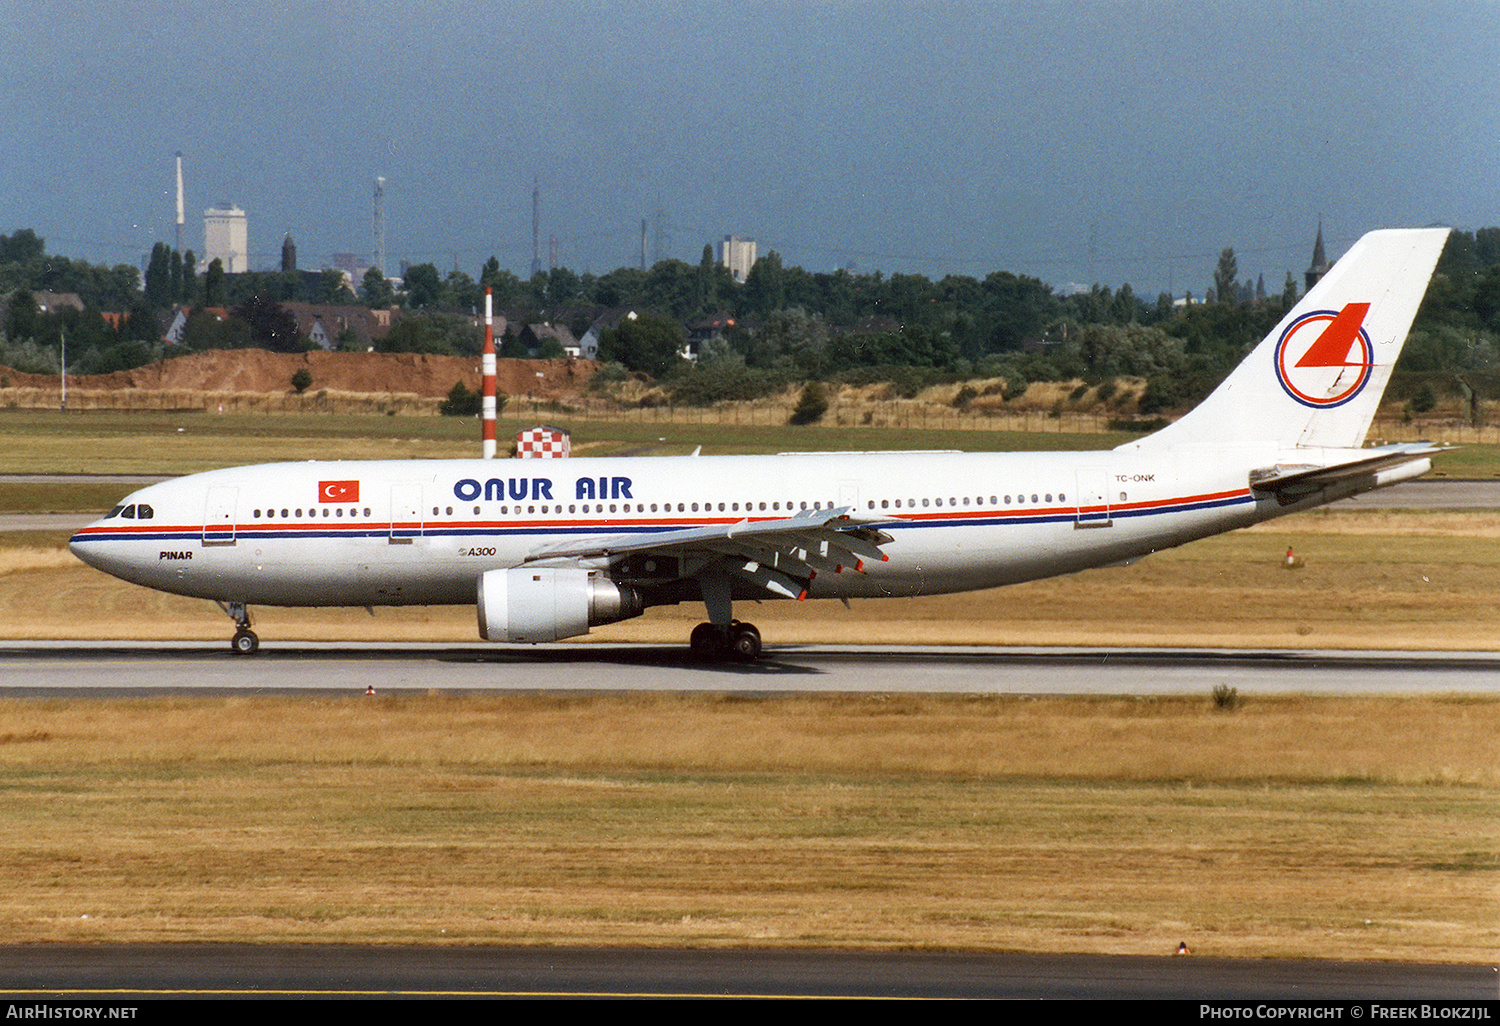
pixel 773 554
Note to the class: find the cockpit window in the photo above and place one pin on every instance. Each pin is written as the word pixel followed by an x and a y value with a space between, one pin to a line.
pixel 114 512
pixel 145 512
pixel 128 513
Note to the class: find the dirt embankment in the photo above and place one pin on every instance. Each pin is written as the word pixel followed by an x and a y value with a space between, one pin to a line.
pixel 257 370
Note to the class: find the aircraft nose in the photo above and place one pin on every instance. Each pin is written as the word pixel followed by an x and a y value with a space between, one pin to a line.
pixel 84 550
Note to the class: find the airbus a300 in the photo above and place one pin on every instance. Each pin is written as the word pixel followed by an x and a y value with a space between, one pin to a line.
pixel 547 549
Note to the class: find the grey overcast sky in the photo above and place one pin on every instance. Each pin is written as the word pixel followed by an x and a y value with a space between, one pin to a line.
pixel 1081 141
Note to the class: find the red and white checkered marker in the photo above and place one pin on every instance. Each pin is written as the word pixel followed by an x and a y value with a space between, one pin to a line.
pixel 543 443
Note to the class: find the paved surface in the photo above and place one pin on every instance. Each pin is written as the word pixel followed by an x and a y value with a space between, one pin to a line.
pixel 243 970
pixel 120 668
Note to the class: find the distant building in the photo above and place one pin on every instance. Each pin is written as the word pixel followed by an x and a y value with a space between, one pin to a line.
pixel 588 346
pixel 226 238
pixel 288 253
pixel 323 325
pixel 353 265
pixel 1319 265
pixel 51 302
pixel 738 255
pixel 535 336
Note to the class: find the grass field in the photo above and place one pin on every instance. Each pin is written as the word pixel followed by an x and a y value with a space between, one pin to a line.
pixel 1344 828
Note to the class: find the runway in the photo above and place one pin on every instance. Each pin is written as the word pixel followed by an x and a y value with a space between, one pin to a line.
pixel 120 668
pixel 242 970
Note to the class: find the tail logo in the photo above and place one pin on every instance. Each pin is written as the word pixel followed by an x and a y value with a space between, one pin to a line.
pixel 1324 358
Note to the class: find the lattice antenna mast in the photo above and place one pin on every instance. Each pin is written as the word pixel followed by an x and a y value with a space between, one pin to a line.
pixel 536 228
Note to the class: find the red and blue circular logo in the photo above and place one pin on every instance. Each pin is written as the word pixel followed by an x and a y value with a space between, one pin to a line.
pixel 1324 358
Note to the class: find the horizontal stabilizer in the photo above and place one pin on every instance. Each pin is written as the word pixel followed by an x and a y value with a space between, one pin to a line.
pixel 1302 479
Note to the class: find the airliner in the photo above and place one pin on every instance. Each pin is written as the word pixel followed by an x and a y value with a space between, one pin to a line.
pixel 546 549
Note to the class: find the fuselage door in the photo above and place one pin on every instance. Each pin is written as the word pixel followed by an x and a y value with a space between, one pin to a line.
pixel 218 517
pixel 849 495
pixel 1093 498
pixel 406 513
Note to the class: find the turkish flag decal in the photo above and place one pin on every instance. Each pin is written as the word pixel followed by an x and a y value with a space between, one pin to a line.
pixel 338 491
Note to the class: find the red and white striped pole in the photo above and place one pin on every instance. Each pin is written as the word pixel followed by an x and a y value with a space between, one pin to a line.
pixel 487 405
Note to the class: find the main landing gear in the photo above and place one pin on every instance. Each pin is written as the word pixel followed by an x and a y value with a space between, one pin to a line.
pixel 738 640
pixel 245 641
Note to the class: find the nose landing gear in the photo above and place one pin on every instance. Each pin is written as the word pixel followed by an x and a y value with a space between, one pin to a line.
pixel 245 641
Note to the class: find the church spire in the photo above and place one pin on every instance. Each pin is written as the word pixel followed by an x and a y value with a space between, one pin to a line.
pixel 1319 265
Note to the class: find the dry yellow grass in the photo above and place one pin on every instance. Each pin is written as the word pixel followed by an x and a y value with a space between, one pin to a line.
pixel 1291 827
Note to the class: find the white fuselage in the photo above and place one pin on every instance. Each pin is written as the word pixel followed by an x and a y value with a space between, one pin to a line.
pixel 423 531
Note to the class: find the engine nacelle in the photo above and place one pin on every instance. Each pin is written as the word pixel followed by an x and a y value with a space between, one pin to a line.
pixel 531 604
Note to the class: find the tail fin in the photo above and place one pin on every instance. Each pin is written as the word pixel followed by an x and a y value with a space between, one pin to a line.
pixel 1318 377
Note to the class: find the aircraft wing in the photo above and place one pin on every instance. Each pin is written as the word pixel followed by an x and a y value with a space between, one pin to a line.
pixel 1294 480
pixel 778 555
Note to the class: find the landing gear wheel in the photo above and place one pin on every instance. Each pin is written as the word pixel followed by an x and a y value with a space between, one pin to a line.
pixel 744 642
pixel 244 642
pixel 706 641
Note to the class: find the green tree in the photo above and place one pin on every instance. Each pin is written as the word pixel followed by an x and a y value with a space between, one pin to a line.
pixel 376 291
pixel 21 247
pixel 1224 276
pixel 301 378
pixel 811 404
pixel 422 286
pixel 187 287
pixel 271 325
pixel 21 315
pixel 652 345
pixel 159 283
pixel 215 288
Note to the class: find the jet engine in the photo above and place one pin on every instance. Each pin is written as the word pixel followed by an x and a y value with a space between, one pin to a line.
pixel 531 604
